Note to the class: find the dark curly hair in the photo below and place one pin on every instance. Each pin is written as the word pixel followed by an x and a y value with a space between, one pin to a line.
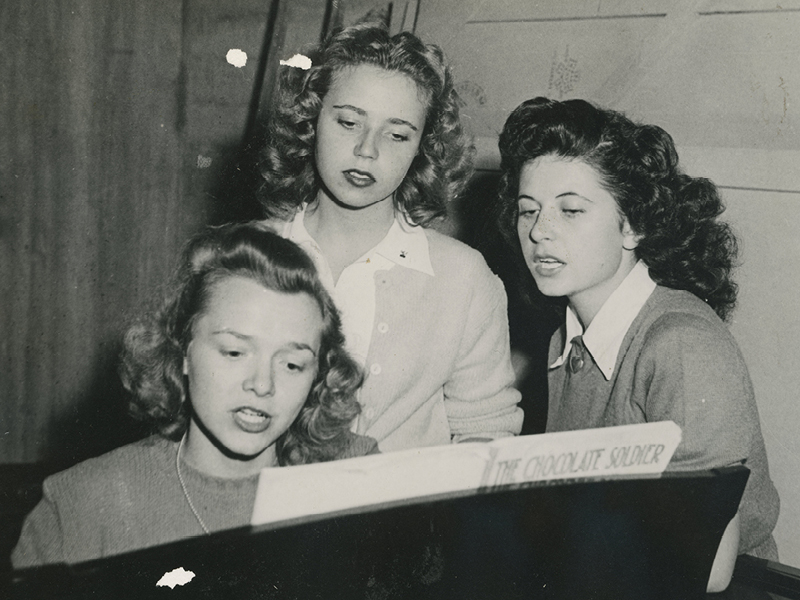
pixel 152 359
pixel 682 242
pixel 439 172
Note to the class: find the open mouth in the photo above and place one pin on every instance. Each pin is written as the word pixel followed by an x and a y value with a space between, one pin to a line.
pixel 251 419
pixel 359 178
pixel 252 415
pixel 547 265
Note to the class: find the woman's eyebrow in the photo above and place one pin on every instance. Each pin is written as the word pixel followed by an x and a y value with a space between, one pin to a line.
pixel 363 113
pixel 301 346
pixel 236 334
pixel 575 194
pixel 245 337
pixel 525 197
pixel 396 121
pixel 355 109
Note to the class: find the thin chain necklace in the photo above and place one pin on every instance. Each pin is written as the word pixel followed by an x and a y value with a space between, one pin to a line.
pixel 183 485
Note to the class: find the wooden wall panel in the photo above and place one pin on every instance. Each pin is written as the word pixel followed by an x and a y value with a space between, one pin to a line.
pixel 122 129
pixel 92 210
pixel 218 163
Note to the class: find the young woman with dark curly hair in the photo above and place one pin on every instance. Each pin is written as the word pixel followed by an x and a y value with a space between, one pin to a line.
pixel 604 216
pixel 365 150
pixel 242 368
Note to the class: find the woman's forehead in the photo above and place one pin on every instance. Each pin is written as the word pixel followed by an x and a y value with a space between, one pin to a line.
pixel 365 75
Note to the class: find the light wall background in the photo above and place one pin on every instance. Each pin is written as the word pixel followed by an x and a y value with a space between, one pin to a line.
pixel 721 76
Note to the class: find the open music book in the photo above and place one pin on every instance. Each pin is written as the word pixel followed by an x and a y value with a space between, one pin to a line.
pixel 323 488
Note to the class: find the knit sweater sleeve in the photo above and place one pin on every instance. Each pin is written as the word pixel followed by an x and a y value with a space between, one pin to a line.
pixel 691 372
pixel 93 509
pixel 479 398
pixel 80 515
pixel 42 538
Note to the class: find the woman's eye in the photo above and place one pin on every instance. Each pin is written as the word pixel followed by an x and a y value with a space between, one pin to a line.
pixel 347 124
pixel 571 212
pixel 528 213
pixel 295 367
pixel 228 353
pixel 398 137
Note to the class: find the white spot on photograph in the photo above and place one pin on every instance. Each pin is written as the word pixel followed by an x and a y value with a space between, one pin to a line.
pixel 175 577
pixel 298 61
pixel 236 57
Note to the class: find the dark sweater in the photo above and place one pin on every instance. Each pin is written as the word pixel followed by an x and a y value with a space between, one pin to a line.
pixel 678 362
pixel 131 498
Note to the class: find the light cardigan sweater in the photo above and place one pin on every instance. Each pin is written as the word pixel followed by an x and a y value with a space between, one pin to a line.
pixel 677 362
pixel 438 368
pixel 131 498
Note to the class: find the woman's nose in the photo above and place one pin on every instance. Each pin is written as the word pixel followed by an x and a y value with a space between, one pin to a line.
pixel 261 380
pixel 367 146
pixel 542 228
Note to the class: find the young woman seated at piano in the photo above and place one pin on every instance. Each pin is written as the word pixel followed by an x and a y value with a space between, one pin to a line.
pixel 603 216
pixel 242 368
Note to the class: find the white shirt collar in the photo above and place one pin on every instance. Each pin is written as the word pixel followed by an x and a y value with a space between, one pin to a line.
pixel 604 336
pixel 404 244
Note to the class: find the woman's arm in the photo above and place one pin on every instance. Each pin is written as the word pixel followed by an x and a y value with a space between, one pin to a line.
pixel 479 397
pixel 41 541
pixel 692 372
pixel 725 560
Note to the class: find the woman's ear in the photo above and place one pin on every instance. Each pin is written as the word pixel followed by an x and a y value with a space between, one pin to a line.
pixel 630 239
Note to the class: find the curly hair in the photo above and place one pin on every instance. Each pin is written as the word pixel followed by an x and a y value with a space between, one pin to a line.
pixel 681 240
pixel 154 350
pixel 438 173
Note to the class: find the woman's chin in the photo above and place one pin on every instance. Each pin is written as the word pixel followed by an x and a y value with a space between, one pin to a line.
pixel 548 287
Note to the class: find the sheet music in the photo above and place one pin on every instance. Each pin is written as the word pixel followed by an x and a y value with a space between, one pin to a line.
pixel 292 492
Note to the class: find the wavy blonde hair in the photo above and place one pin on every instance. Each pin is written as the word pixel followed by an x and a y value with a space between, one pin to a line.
pixel 438 173
pixel 152 359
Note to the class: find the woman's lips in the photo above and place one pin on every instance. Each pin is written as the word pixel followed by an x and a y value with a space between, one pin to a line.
pixel 359 178
pixel 547 265
pixel 251 419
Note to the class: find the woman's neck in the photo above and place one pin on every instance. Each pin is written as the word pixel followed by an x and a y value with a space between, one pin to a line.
pixel 343 234
pixel 201 454
pixel 588 303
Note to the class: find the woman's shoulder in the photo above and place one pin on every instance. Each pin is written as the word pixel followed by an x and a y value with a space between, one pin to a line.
pixel 677 321
pixel 100 506
pixel 359 445
pixel 128 463
pixel 670 309
pixel 446 247
pixel 451 257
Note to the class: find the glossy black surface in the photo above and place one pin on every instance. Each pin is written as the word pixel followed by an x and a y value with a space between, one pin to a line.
pixel 755 576
pixel 616 539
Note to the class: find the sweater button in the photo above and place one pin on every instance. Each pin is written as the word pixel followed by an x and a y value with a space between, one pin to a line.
pixel 383 327
pixel 375 369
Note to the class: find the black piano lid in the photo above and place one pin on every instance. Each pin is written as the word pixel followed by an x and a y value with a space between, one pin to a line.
pixel 637 538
